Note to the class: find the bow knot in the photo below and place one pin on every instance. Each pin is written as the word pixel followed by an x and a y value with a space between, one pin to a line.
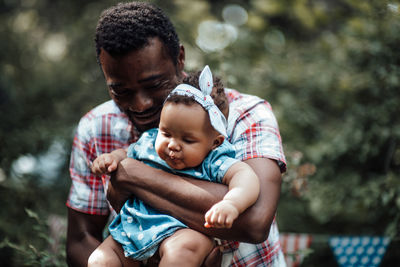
pixel 208 102
pixel 203 97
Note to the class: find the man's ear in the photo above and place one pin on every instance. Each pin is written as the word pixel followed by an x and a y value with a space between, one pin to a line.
pixel 218 141
pixel 181 58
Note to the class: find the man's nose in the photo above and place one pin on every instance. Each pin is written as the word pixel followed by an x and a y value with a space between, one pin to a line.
pixel 141 102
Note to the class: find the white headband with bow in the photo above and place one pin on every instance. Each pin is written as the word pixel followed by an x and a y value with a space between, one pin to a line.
pixel 203 97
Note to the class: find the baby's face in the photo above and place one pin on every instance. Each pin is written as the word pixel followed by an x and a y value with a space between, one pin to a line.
pixel 185 135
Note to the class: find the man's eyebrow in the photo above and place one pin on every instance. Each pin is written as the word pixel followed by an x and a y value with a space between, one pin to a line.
pixel 150 78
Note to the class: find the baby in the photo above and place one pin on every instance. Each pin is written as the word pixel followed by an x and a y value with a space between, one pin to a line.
pixel 190 141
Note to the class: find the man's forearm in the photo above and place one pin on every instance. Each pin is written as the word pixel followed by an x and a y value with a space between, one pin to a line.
pixel 84 234
pixel 188 200
pixel 78 253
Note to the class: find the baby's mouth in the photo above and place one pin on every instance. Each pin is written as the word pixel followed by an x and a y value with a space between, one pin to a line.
pixel 173 156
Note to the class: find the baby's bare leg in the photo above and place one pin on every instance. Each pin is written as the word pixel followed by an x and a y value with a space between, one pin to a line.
pixel 185 247
pixel 110 253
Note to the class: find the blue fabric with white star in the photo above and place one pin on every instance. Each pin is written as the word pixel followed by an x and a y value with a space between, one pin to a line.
pixel 360 251
pixel 138 227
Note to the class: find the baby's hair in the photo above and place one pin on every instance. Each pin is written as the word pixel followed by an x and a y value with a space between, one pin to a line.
pixel 218 93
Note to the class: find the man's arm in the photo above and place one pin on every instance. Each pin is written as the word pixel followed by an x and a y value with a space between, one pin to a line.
pixel 84 234
pixel 189 199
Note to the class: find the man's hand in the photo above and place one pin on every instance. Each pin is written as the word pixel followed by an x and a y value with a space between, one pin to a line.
pixel 117 198
pixel 214 258
pixel 117 193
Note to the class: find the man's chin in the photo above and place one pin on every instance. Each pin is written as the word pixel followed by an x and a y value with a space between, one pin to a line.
pixel 143 125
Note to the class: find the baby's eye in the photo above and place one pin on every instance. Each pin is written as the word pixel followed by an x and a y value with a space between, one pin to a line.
pixel 189 141
pixel 165 134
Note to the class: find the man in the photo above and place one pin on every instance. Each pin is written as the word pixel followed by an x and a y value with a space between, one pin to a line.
pixel 142 61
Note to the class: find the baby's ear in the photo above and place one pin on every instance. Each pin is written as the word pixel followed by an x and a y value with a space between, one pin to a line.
pixel 218 141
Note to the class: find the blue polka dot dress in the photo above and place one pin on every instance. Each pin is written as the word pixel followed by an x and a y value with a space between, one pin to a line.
pixel 138 227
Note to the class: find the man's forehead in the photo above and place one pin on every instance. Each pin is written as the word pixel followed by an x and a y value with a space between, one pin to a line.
pixel 153 45
pixel 146 66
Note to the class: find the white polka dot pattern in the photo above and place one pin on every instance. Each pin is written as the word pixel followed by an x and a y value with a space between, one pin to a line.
pixel 361 251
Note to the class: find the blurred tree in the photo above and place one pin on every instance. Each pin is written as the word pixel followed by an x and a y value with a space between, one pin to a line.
pixel 48 79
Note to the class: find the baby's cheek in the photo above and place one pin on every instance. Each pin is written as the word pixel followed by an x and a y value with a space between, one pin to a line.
pixel 158 149
pixel 160 154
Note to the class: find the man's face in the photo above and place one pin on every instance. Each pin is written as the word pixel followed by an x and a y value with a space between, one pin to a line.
pixel 140 81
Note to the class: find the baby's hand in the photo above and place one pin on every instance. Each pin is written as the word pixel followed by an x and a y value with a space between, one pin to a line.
pixel 104 164
pixel 221 215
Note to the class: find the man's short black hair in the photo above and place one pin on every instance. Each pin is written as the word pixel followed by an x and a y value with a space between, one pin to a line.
pixel 127 27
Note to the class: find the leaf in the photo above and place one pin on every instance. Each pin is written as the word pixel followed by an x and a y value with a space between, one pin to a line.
pixel 32 214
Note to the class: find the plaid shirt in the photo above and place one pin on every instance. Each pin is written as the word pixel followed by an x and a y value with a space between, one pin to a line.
pixel 252 129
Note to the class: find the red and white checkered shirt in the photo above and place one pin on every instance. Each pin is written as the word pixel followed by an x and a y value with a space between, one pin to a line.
pixel 252 129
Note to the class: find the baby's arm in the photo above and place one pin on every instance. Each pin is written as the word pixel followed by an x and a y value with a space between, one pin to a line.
pixel 108 162
pixel 244 188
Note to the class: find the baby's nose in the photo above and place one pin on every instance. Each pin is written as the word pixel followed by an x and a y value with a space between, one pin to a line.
pixel 174 145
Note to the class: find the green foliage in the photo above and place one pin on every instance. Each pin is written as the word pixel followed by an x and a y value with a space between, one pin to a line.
pixel 32 227
pixel 330 69
pixel 30 254
pixel 338 99
pixel 47 67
